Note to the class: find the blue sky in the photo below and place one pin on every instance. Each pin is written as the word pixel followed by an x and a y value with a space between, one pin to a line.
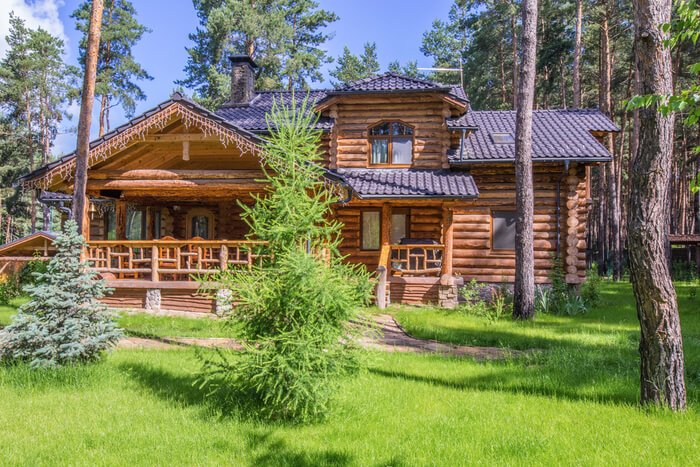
pixel 396 26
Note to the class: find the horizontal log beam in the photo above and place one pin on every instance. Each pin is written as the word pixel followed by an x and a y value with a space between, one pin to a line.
pixel 238 184
pixel 167 174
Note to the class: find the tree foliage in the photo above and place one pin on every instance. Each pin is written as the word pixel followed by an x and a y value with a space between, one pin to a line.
pixel 64 322
pixel 295 310
pixel 36 87
pixel 352 67
pixel 117 70
pixel 285 37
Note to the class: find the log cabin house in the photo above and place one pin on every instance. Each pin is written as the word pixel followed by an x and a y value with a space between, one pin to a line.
pixel 429 183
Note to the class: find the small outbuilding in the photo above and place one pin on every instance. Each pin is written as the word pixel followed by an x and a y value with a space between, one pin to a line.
pixel 15 254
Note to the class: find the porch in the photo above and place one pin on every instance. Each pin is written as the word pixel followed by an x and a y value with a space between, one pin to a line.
pixel 160 274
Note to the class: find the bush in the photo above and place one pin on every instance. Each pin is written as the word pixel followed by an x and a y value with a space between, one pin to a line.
pixel 590 289
pixel 10 288
pixel 560 298
pixel 498 304
pixel 32 270
pixel 64 322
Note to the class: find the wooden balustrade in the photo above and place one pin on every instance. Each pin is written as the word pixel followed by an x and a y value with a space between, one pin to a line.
pixel 157 260
pixel 408 260
pixel 417 260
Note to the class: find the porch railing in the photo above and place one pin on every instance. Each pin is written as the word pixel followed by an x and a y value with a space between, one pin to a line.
pixel 171 259
pixel 408 260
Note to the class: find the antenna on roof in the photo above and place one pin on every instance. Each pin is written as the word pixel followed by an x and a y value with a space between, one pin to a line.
pixel 460 70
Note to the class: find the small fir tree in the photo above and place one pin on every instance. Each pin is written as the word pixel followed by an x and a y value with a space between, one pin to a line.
pixel 295 310
pixel 64 322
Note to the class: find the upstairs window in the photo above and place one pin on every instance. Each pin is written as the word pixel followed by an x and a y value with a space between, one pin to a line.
pixel 391 143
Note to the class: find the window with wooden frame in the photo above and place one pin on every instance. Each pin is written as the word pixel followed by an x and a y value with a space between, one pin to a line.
pixel 503 230
pixel 370 229
pixel 200 223
pixel 136 224
pixel 400 225
pixel 390 143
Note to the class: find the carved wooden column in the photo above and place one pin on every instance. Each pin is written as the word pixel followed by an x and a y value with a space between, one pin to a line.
pixel 120 218
pixel 386 224
pixel 447 239
pixel 572 223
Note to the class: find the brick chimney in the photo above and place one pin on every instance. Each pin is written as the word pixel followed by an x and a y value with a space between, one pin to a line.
pixel 242 80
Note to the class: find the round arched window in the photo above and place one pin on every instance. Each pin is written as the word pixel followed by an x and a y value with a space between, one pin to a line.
pixel 391 143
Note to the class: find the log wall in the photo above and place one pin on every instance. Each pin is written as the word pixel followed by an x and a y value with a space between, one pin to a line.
pixel 473 256
pixel 349 146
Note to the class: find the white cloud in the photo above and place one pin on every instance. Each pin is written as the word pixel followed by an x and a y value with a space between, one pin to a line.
pixel 35 13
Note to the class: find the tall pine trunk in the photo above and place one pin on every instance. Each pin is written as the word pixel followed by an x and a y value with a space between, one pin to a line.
pixel 514 37
pixel 576 72
pixel 83 146
pixel 605 102
pixel 661 346
pixel 524 296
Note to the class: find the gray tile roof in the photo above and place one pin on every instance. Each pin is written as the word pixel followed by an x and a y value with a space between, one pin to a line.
pixel 556 135
pixel 408 183
pixel 393 82
pixel 252 117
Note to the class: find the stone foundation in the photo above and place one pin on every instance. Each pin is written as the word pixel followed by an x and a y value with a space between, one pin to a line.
pixel 223 302
pixel 448 291
pixel 153 299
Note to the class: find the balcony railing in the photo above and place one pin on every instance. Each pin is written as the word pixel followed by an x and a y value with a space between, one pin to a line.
pixel 157 260
pixel 409 260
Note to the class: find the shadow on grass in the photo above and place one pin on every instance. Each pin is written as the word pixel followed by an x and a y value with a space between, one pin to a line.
pixel 266 449
pixel 517 382
pixel 272 451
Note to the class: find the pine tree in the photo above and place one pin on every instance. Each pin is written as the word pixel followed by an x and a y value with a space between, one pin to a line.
pixel 35 88
pixel 410 69
pixel 283 36
pixel 64 322
pixel 351 67
pixel 117 69
pixel 295 311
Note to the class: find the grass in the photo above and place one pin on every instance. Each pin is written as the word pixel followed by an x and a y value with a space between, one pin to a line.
pixel 573 402
pixel 145 325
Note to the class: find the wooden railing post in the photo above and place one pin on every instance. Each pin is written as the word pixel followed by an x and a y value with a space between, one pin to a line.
pixel 447 240
pixel 380 294
pixel 223 257
pixel 155 275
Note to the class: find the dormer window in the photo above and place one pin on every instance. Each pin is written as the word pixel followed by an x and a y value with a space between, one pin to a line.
pixel 391 143
pixel 502 138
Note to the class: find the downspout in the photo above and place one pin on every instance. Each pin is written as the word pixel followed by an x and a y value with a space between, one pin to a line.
pixel 566 171
pixel 461 145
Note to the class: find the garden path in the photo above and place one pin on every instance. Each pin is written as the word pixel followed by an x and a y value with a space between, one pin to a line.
pixel 387 336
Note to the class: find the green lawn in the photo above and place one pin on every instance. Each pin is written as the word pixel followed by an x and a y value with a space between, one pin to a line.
pixel 144 325
pixel 573 402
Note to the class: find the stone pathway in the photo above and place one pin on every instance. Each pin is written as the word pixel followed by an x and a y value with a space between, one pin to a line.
pixel 388 337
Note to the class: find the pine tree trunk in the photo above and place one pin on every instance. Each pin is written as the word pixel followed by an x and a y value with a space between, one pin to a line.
pixel 103 114
pixel 605 103
pixel 576 73
pixel 514 36
pixel 30 149
pixel 79 196
pixel 661 346
pixel 524 294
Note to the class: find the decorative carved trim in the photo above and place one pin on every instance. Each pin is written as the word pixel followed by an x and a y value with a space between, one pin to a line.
pixel 138 131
